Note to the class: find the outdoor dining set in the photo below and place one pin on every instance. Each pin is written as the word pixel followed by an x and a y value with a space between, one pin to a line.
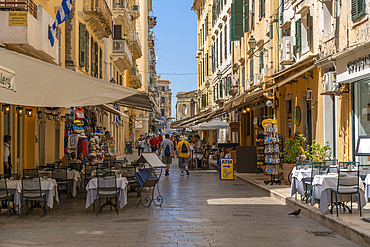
pixel 333 184
pixel 41 187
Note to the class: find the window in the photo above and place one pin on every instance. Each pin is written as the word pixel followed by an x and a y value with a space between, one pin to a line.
pixel 230 36
pixel 184 109
pixel 221 93
pixel 251 69
pixel 101 65
pixel 261 61
pixel 96 60
pixel 298 40
pixel 87 50
pixel 328 18
pixel 220 48
pixel 216 53
pixel 214 93
pixel 92 56
pixel 163 100
pixel 248 124
pixel 82 36
pixel 357 9
pixel 243 75
pixel 207 58
pixel 309 29
pixel 117 32
pixel 262 8
pixel 204 100
pixel 246 15
pixel 225 40
pixel 163 112
pixel 163 88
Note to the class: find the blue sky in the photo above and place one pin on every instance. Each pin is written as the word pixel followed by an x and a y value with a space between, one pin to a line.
pixel 176 34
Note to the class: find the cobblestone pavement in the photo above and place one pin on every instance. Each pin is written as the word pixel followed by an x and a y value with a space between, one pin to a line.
pixel 198 210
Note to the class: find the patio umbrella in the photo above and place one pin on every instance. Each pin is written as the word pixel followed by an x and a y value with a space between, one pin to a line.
pixel 196 127
pixel 215 124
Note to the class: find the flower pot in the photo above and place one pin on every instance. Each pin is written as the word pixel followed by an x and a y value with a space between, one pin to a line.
pixel 287 168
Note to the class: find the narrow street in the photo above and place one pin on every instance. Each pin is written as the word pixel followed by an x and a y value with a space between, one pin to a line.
pixel 198 210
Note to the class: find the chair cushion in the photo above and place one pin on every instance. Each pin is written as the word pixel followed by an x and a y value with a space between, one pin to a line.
pixel 3 195
pixel 346 190
pixel 31 194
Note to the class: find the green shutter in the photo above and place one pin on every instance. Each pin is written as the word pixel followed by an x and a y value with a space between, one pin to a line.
pixel 298 40
pixel 92 56
pixel 238 18
pixel 220 47
pixel 309 31
pixel 96 60
pixel 82 36
pixel 261 61
pixel 243 75
pixel 357 9
pixel 251 69
pixel 246 15
pixel 354 9
pixel 101 64
pixel 87 51
pixel 225 41
pixel 221 93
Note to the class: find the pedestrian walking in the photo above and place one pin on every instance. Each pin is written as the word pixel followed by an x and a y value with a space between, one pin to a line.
pixel 154 143
pixel 147 144
pixel 140 144
pixel 168 152
pixel 159 140
pixel 7 155
pixel 183 149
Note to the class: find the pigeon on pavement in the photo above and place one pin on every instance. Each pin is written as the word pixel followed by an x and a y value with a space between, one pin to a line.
pixel 296 213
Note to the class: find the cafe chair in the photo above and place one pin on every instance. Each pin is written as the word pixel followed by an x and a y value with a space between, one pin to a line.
pixel 61 176
pixel 31 190
pixel 331 162
pixel 364 170
pixel 348 184
pixel 205 159
pixel 30 172
pixel 87 173
pixel 76 166
pixel 348 165
pixel 4 195
pixel 107 188
pixel 317 169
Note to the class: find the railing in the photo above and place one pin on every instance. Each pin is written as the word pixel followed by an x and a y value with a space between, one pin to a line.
pixel 119 5
pixel 25 5
pixel 120 46
pixel 99 7
pixel 135 38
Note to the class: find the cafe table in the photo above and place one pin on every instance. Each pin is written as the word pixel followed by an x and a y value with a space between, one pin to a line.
pixel 74 177
pixel 367 187
pixel 321 190
pixel 49 186
pixel 298 179
pixel 92 186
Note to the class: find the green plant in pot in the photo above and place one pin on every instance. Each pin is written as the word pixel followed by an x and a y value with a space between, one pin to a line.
pixel 315 153
pixel 291 151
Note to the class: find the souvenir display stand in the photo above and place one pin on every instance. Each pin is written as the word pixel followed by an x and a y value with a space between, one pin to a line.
pixel 273 145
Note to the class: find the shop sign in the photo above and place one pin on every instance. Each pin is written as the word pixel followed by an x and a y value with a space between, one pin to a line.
pixel 227 169
pixel 7 78
pixel 358 64
pixel 18 18
pixel 297 115
pixel 234 126
pixel 267 123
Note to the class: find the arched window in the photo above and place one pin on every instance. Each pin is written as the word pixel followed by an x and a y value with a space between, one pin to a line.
pixel 184 109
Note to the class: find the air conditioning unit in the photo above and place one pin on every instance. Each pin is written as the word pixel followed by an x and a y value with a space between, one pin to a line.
pixel 286 50
pixel 330 85
pixel 257 79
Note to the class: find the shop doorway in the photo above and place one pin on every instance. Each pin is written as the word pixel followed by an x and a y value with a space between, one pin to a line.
pixel 289 114
pixel 309 124
pixel 18 168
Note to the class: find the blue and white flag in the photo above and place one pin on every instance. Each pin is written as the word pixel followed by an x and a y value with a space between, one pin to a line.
pixel 62 15
pixel 115 106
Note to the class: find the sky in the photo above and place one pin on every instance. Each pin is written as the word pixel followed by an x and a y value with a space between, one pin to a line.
pixel 176 45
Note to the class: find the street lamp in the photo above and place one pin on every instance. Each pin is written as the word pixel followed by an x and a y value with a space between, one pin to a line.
pixel 207 84
pixel 199 92
pixel 252 43
pixel 112 80
pixel 219 75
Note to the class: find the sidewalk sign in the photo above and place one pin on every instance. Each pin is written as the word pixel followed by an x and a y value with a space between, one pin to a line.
pixel 227 169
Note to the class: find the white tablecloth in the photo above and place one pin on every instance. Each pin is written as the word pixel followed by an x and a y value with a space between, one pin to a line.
pixel 92 191
pixel 321 189
pixel 50 187
pixel 117 172
pixel 367 187
pixel 74 177
pixel 298 178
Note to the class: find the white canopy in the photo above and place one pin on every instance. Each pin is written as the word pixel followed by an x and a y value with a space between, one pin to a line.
pixel 46 85
pixel 196 127
pixel 152 159
pixel 215 124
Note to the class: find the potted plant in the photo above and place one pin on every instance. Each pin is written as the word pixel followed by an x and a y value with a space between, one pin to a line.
pixel 291 152
pixel 315 153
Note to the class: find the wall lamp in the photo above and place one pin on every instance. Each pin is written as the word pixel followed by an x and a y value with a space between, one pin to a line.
pixel 50 116
pixel 219 75
pixel 6 109
pixel 63 118
pixel 29 112
pixel 19 111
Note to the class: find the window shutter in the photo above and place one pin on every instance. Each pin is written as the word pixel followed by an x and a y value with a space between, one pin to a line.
pixel 221 93
pixel 82 36
pixel 354 9
pixel 87 50
pixel 243 75
pixel 261 61
pixel 298 40
pixel 96 70
pixel 251 71
pixel 360 8
pixel 260 9
pixel 101 64
pixel 238 18
pixel 263 8
pixel 246 15
pixel 220 48
pixel 92 57
pixel 309 28
pixel 225 41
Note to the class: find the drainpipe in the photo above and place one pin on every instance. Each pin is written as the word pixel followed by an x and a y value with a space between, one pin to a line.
pixel 281 20
pixel 353 120
pixel 334 129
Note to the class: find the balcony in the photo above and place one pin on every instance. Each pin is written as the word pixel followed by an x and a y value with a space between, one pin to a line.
pixel 135 77
pixel 152 22
pixel 121 14
pixel 135 45
pixel 121 55
pixel 151 39
pixel 98 17
pixel 30 34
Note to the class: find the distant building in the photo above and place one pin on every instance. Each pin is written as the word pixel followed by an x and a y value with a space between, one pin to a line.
pixel 186 105
pixel 164 102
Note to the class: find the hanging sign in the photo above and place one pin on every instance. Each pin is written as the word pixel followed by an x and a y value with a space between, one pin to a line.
pixel 234 126
pixel 227 169
pixel 7 78
pixel 297 115
pixel 268 122
pixel 18 18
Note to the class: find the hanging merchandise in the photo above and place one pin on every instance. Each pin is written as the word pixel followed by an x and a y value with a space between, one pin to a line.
pixel 272 147
pixel 78 129
pixel 79 113
pixel 79 122
pixel 72 143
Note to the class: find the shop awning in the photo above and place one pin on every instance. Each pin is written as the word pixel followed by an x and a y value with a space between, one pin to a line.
pixel 195 118
pixel 141 101
pixel 113 111
pixel 43 84
pixel 152 160
pixel 215 124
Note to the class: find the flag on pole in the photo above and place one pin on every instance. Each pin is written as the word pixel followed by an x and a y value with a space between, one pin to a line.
pixel 62 15
pixel 115 106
